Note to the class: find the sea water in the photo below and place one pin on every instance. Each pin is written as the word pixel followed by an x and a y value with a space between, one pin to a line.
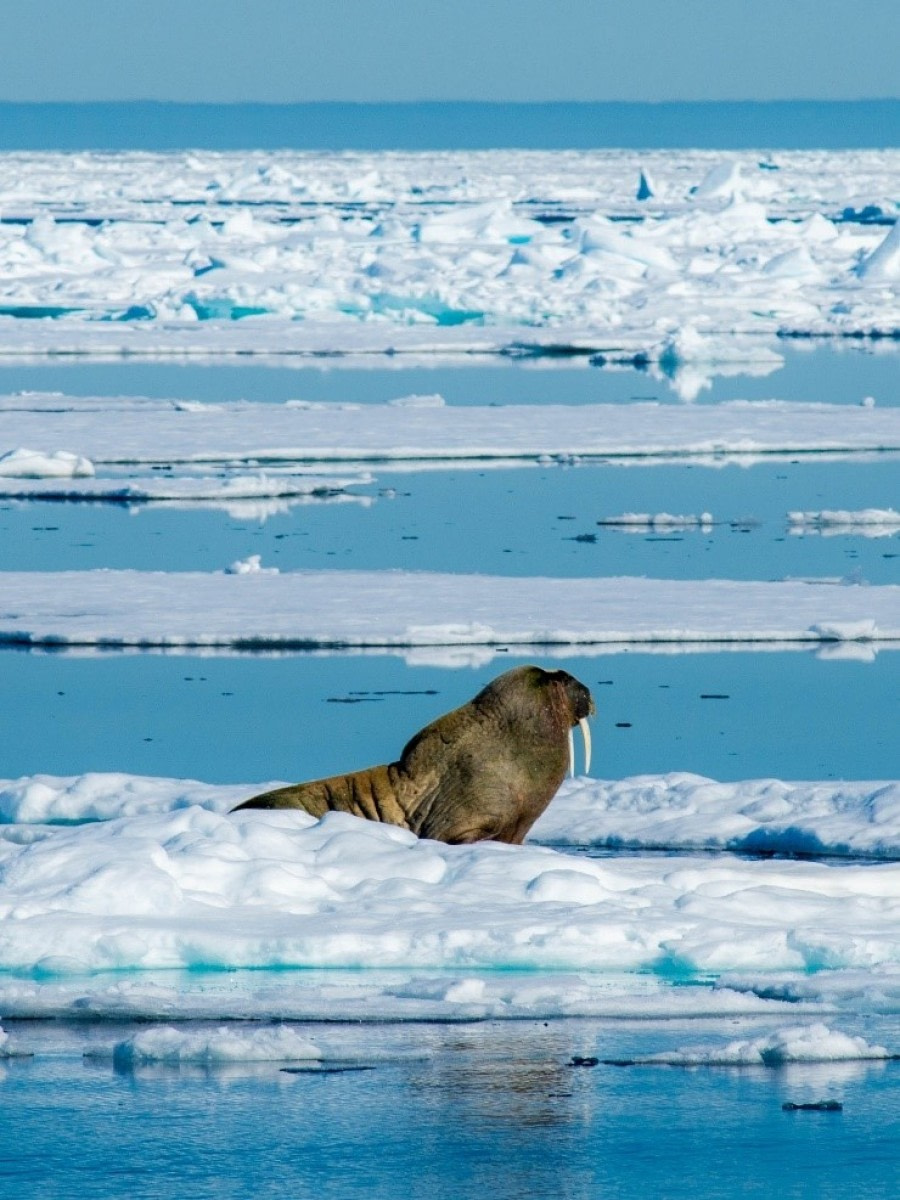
pixel 462 1109
pixel 469 1108
pixel 249 718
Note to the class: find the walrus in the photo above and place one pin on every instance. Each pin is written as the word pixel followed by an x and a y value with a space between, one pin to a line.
pixel 483 772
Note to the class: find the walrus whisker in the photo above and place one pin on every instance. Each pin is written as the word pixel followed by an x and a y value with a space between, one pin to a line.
pixel 571 755
pixel 586 734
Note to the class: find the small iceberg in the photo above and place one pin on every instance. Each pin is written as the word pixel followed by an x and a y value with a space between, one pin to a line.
pixel 164 1044
pixel 884 261
pixel 796 1044
pixel 35 464
pixel 645 190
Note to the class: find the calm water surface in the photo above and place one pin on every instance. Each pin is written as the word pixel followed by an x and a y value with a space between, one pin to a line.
pixel 493 1110
pixel 237 718
pixel 832 372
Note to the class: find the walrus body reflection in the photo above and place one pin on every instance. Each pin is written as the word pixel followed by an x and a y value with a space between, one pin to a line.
pixel 486 770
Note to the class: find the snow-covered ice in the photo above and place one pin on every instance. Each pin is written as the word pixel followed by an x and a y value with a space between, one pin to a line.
pixel 869 522
pixel 164 1044
pixel 160 877
pixel 679 811
pixel 815 1043
pixel 689 812
pixel 191 888
pixel 223 491
pixel 21 463
pixel 407 609
pixel 104 247
pixel 162 432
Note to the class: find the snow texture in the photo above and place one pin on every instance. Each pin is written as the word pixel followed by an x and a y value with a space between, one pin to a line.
pixel 762 816
pixel 793 1044
pixel 260 608
pixel 179 886
pixel 164 1044
pixel 163 432
pixel 123 249
pixel 32 464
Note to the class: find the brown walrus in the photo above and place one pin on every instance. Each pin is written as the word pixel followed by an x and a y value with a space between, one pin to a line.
pixel 485 771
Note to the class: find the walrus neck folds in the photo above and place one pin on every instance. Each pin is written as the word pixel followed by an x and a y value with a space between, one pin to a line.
pixel 486 770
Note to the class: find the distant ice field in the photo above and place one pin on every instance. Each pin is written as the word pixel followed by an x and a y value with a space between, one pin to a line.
pixel 603 251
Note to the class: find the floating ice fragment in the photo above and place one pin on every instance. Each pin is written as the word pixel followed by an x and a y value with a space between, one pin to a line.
pixel 35 464
pixel 165 1044
pixel 869 522
pixel 792 264
pixel 641 522
pixel 884 261
pixel 845 631
pixel 250 566
pixel 795 1044
pixel 11 1050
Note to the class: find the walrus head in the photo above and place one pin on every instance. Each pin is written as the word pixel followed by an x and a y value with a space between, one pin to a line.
pixel 486 770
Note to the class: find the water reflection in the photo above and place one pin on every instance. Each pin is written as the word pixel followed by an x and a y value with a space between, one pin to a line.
pixel 832 372
pixel 496 1111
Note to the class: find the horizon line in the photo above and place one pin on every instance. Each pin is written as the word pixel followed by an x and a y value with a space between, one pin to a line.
pixel 457 101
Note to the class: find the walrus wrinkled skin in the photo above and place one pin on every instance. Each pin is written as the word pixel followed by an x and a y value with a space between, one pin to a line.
pixel 485 771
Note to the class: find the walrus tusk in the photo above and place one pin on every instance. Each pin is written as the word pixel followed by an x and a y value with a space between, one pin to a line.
pixel 586 734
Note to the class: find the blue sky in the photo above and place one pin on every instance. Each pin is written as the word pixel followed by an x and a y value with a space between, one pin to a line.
pixel 294 50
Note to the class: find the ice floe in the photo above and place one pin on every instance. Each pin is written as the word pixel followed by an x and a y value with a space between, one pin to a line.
pixel 679 811
pixel 555 241
pixel 10 1049
pixel 375 995
pixel 869 522
pixel 794 1044
pixel 762 816
pixel 641 522
pixel 164 1044
pixel 407 609
pixel 34 464
pixel 195 889
pixel 162 432
pixel 223 491
pixel 161 878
